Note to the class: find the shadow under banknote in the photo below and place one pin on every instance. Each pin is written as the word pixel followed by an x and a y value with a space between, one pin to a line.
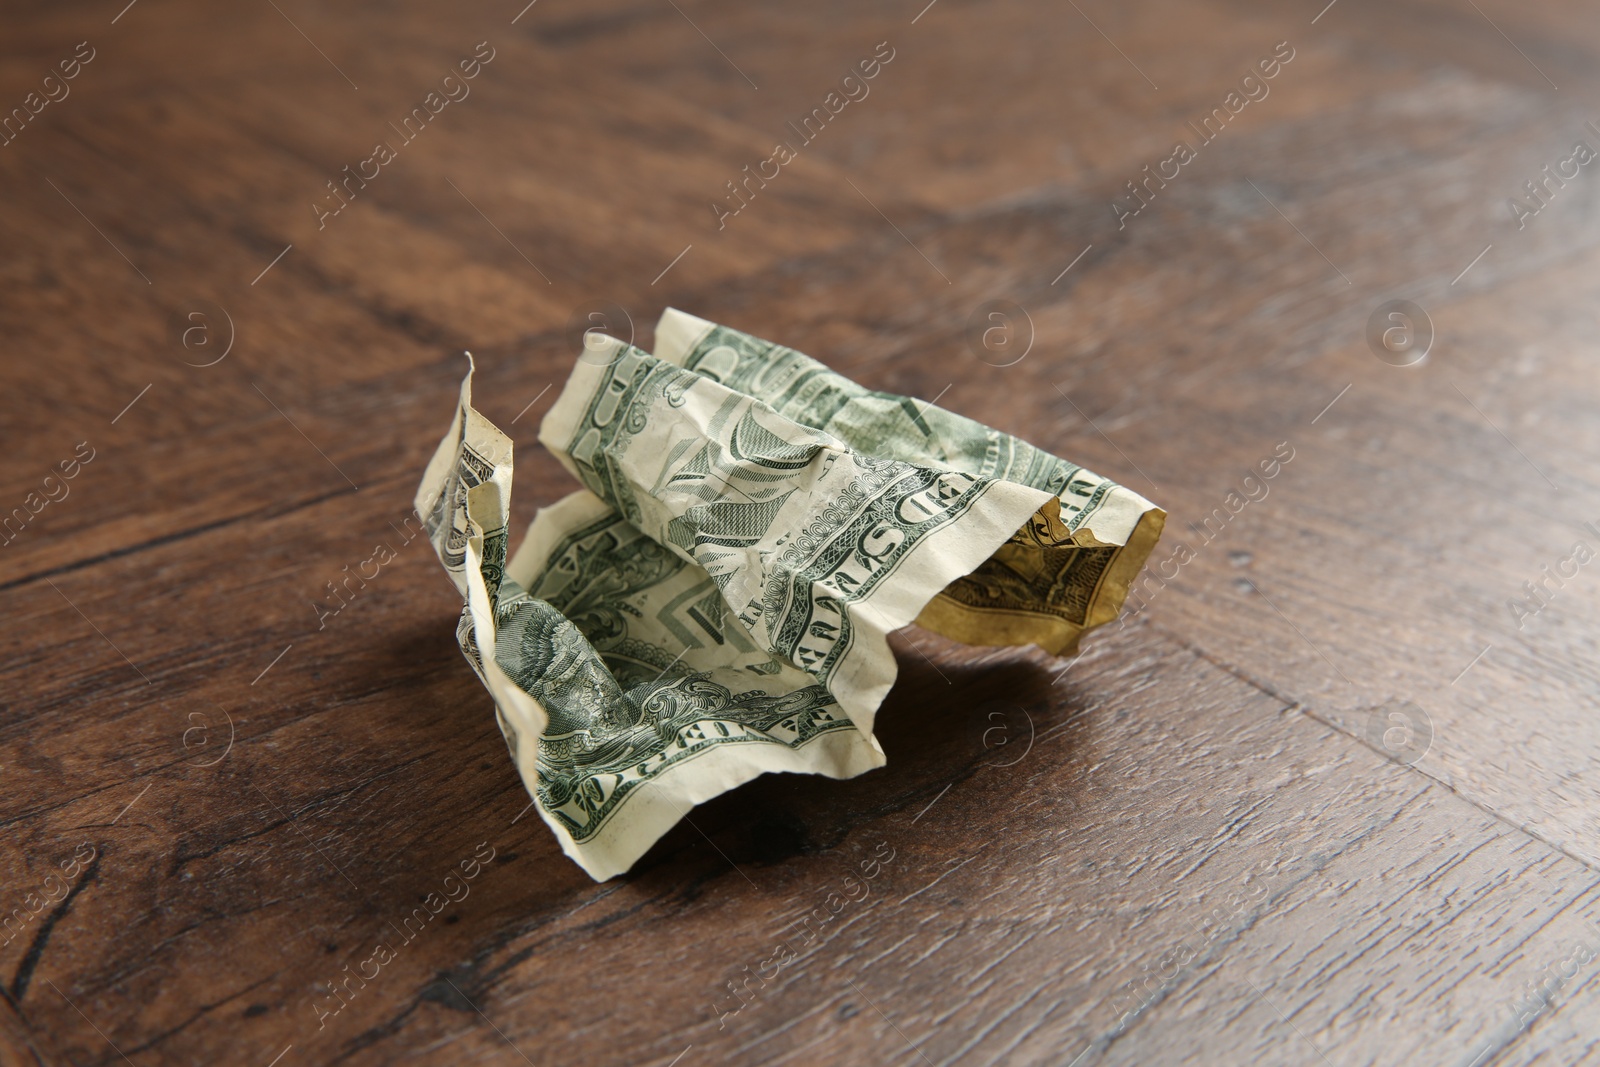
pixel 952 716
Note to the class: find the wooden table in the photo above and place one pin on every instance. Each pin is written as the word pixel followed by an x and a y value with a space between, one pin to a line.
pixel 1328 796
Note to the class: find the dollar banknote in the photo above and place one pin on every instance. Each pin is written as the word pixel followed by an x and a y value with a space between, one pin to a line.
pixel 715 603
pixel 1043 587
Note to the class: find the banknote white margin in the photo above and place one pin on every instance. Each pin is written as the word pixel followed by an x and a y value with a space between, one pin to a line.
pixel 677 334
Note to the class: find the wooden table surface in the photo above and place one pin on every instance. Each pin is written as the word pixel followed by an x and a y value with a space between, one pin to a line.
pixel 1327 796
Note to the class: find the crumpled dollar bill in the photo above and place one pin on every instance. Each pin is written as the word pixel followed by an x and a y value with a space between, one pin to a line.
pixel 715 602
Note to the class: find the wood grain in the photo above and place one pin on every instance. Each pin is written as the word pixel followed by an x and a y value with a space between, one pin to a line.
pixel 1189 845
